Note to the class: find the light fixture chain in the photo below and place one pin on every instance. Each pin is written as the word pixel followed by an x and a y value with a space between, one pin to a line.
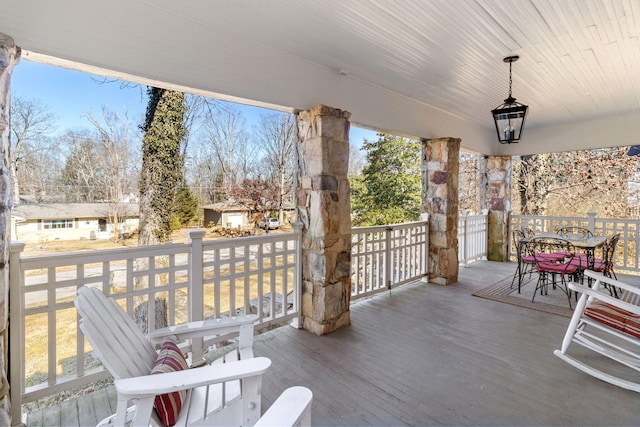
pixel 510 80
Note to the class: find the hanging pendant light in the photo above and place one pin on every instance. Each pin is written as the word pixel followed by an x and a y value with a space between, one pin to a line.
pixel 509 117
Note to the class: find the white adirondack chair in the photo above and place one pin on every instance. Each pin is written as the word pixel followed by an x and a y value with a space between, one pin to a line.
pixel 608 326
pixel 227 392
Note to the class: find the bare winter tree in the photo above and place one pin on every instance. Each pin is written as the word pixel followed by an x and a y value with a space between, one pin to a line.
pixel 278 137
pixel 204 173
pixel 228 142
pixel 194 117
pixel 31 121
pixel 357 159
pixel 114 140
pixel 39 172
pixel 468 183
pixel 575 182
pixel 83 168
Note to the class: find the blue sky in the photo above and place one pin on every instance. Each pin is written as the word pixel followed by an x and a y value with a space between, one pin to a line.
pixel 71 94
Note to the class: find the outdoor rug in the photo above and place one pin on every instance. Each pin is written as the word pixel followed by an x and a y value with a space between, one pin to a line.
pixel 555 302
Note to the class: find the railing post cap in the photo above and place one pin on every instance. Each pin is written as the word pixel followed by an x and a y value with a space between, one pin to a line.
pixel 17 246
pixel 196 234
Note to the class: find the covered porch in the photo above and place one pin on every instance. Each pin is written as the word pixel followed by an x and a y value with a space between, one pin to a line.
pixel 423 354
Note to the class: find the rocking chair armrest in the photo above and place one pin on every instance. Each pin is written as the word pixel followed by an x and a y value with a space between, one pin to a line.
pixel 605 297
pixel 291 408
pixel 611 281
pixel 202 328
pixel 151 385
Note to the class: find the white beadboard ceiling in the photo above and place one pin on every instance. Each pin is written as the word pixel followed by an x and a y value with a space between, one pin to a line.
pixel 422 68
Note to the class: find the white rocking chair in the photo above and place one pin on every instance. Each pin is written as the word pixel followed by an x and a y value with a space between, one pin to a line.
pixel 608 326
pixel 227 392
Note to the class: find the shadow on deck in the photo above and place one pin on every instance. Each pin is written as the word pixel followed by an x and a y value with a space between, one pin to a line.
pixel 424 354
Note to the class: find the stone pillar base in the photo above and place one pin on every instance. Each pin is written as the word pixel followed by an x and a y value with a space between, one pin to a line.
pixel 446 272
pixel 326 328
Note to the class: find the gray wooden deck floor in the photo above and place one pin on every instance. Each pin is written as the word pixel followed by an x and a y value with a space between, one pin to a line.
pixel 425 355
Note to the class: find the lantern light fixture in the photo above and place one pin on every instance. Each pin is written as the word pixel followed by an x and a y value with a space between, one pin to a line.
pixel 509 117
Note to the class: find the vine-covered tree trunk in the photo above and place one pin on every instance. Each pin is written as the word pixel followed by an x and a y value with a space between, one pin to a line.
pixel 160 179
pixel 523 188
pixel 161 173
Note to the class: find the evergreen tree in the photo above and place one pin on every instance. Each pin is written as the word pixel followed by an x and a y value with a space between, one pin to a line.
pixel 162 164
pixel 388 191
pixel 185 209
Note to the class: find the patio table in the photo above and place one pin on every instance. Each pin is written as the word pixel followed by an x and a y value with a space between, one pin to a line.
pixel 587 244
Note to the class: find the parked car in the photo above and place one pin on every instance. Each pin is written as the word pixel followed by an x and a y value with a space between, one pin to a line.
pixel 269 223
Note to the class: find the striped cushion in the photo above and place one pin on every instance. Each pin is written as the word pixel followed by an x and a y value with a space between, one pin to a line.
pixel 169 359
pixel 615 317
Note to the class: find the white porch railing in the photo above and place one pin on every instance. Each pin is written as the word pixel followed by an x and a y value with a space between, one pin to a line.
pixel 472 238
pixel 191 281
pixel 627 260
pixel 201 279
pixel 472 235
pixel 386 256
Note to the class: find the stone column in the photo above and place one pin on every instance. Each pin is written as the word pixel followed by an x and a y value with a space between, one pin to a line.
pixel 9 57
pixel 440 164
pixel 324 210
pixel 495 196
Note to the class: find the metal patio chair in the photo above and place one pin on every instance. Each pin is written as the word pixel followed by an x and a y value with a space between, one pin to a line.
pixel 574 232
pixel 554 258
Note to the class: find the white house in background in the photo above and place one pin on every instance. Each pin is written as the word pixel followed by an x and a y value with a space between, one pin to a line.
pixel 38 223
pixel 232 214
pixel 229 214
